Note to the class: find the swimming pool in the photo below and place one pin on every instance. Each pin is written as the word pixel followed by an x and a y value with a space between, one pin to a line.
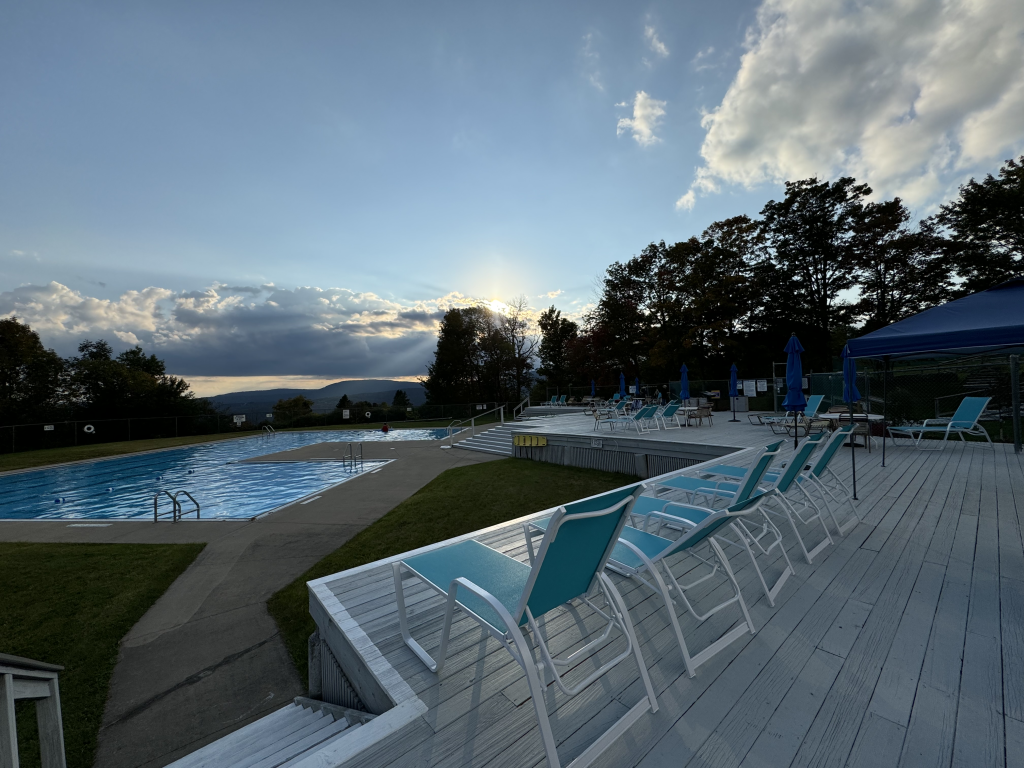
pixel 123 488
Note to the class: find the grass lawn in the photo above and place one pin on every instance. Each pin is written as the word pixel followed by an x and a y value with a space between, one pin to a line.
pixel 457 501
pixel 71 604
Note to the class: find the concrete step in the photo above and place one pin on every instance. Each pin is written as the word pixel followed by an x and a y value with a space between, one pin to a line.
pixel 285 737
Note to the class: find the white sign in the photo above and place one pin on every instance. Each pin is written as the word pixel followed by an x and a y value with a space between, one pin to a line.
pixel 803 383
pixel 780 383
pixel 239 418
pixel 409 409
pixel 270 415
pixel 750 388
pixel 762 385
pixel 48 428
pixel 344 413
pixel 479 407
pixel 632 389
pixel 595 442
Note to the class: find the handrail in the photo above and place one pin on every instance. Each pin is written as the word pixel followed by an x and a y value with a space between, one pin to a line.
pixel 269 429
pixel 472 423
pixel 517 412
pixel 191 498
pixel 174 506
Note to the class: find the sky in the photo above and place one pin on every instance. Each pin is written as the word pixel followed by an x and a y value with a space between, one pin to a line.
pixel 268 194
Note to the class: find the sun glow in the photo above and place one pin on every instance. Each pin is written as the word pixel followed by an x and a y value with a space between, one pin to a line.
pixel 498 306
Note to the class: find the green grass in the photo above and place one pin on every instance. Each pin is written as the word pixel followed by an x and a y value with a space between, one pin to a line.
pixel 457 501
pixel 71 604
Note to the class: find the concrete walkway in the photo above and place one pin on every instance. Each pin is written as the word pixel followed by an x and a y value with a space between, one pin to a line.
pixel 207 658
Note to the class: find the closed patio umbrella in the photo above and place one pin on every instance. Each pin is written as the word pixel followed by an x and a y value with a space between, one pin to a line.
pixel 593 388
pixel 684 384
pixel 637 388
pixel 622 385
pixel 851 395
pixel 795 400
pixel 733 391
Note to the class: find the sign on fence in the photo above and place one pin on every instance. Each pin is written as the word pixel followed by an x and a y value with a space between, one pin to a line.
pixel 762 385
pixel 239 419
pixel 344 413
pixel 48 428
pixel 749 388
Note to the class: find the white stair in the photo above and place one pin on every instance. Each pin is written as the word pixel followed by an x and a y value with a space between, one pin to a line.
pixel 282 738
pixel 497 440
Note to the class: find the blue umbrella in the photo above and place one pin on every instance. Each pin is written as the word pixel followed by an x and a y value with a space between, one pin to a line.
pixel 795 400
pixel 684 384
pixel 593 388
pixel 622 385
pixel 850 395
pixel 733 392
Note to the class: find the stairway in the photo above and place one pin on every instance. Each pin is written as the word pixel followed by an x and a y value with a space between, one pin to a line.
pixel 497 440
pixel 282 738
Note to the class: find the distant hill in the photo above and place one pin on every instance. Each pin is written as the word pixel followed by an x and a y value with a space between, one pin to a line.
pixel 325 398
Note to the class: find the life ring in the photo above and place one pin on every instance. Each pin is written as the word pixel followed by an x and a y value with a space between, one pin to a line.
pixel 89 429
pixel 368 414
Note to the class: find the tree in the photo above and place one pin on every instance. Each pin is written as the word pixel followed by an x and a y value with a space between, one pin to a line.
pixel 453 376
pixel 900 271
pixel 514 327
pixel 985 225
pixel 289 410
pixel 401 400
pixel 557 335
pixel 343 403
pixel 809 234
pixel 32 378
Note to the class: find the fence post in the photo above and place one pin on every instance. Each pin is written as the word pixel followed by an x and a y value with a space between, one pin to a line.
pixel 1015 400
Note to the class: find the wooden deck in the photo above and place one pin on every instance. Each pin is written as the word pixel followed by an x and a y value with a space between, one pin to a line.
pixel 901 645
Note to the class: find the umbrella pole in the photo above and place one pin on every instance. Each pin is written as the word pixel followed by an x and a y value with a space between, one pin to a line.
pixel 733 411
pixel 885 377
pixel 853 449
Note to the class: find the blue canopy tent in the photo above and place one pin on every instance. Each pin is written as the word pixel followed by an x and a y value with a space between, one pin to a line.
pixel 986 323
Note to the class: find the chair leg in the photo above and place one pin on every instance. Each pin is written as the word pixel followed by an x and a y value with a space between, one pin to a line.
pixel 627 624
pixel 790 514
pixel 537 691
pixel 403 624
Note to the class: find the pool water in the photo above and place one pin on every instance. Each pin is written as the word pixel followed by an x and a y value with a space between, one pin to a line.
pixel 123 488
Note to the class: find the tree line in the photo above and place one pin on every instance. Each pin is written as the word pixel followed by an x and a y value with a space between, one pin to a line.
pixel 37 384
pixel 825 262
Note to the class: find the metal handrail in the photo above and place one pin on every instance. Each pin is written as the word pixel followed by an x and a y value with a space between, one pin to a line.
pixel 517 412
pixel 269 429
pixel 191 498
pixel 472 423
pixel 174 506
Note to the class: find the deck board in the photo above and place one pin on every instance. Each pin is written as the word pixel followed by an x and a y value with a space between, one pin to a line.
pixel 902 644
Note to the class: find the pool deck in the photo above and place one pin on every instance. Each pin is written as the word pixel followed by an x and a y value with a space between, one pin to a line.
pixel 903 644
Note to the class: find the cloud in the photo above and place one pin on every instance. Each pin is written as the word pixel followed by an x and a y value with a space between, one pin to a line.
pixel 699 61
pixel 651 35
pixel 31 255
pixel 551 294
pixel 224 330
pixel 591 62
pixel 687 201
pixel 911 96
pixel 647 114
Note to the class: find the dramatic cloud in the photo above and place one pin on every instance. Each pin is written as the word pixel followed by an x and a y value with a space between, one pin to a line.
pixel 651 35
pixel 647 114
pixel 911 96
pixel 225 330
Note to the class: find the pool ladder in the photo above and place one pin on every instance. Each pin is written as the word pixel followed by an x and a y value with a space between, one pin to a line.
pixel 350 456
pixel 176 512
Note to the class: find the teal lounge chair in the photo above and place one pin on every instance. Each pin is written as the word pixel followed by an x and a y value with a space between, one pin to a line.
pixel 762 538
pixel 638 419
pixel 561 400
pixel 643 556
pixel 669 414
pixel 778 484
pixel 819 477
pixel 554 400
pixel 963 422
pixel 509 598
pixel 813 404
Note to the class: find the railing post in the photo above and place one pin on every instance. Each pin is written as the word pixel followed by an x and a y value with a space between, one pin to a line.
pixel 503 414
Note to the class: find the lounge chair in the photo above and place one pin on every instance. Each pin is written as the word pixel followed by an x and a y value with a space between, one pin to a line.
pixel 786 422
pixel 818 477
pixel 749 537
pixel 670 413
pixel 963 422
pixel 644 556
pixel 509 598
pixel 561 400
pixel 778 484
pixel 638 419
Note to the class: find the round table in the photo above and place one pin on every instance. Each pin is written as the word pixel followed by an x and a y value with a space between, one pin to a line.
pixel 866 419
